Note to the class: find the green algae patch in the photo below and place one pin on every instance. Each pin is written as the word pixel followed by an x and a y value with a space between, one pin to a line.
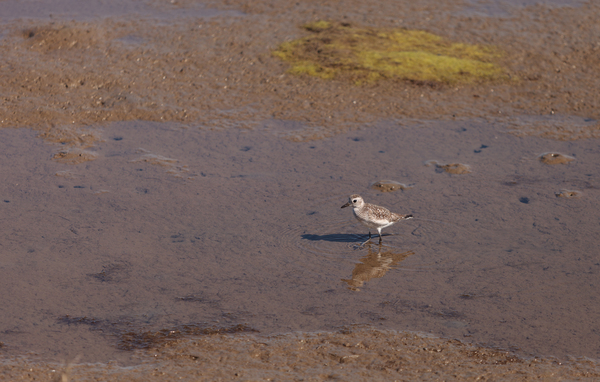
pixel 364 55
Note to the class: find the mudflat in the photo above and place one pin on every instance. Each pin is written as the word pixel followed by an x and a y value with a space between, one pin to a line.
pixel 170 197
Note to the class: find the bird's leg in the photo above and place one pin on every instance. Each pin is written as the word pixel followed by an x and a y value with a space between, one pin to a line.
pixel 369 239
pixel 379 230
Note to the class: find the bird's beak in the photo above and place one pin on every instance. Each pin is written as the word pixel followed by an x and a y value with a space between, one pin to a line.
pixel 346 205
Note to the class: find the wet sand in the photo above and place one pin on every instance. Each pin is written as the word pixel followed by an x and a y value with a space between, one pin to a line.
pixel 164 233
pixel 349 355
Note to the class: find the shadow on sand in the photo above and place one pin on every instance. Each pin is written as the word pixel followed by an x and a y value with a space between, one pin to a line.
pixel 341 237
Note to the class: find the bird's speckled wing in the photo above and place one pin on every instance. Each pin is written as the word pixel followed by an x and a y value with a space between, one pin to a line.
pixel 372 212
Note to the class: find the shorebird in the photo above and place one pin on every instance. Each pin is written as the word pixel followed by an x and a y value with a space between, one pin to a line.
pixel 373 216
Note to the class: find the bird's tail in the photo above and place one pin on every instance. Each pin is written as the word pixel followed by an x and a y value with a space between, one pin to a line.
pixel 402 217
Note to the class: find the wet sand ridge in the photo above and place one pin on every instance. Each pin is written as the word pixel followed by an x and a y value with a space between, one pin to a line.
pixel 218 70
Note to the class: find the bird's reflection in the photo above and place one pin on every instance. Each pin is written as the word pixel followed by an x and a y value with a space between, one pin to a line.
pixel 375 265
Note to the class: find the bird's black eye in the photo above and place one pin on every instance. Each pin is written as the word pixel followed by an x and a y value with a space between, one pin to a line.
pixel 354 201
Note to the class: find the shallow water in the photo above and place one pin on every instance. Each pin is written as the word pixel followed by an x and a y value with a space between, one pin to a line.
pixel 173 9
pixel 508 8
pixel 242 227
pixel 95 9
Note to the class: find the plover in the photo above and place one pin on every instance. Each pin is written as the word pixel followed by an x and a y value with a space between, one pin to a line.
pixel 373 216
